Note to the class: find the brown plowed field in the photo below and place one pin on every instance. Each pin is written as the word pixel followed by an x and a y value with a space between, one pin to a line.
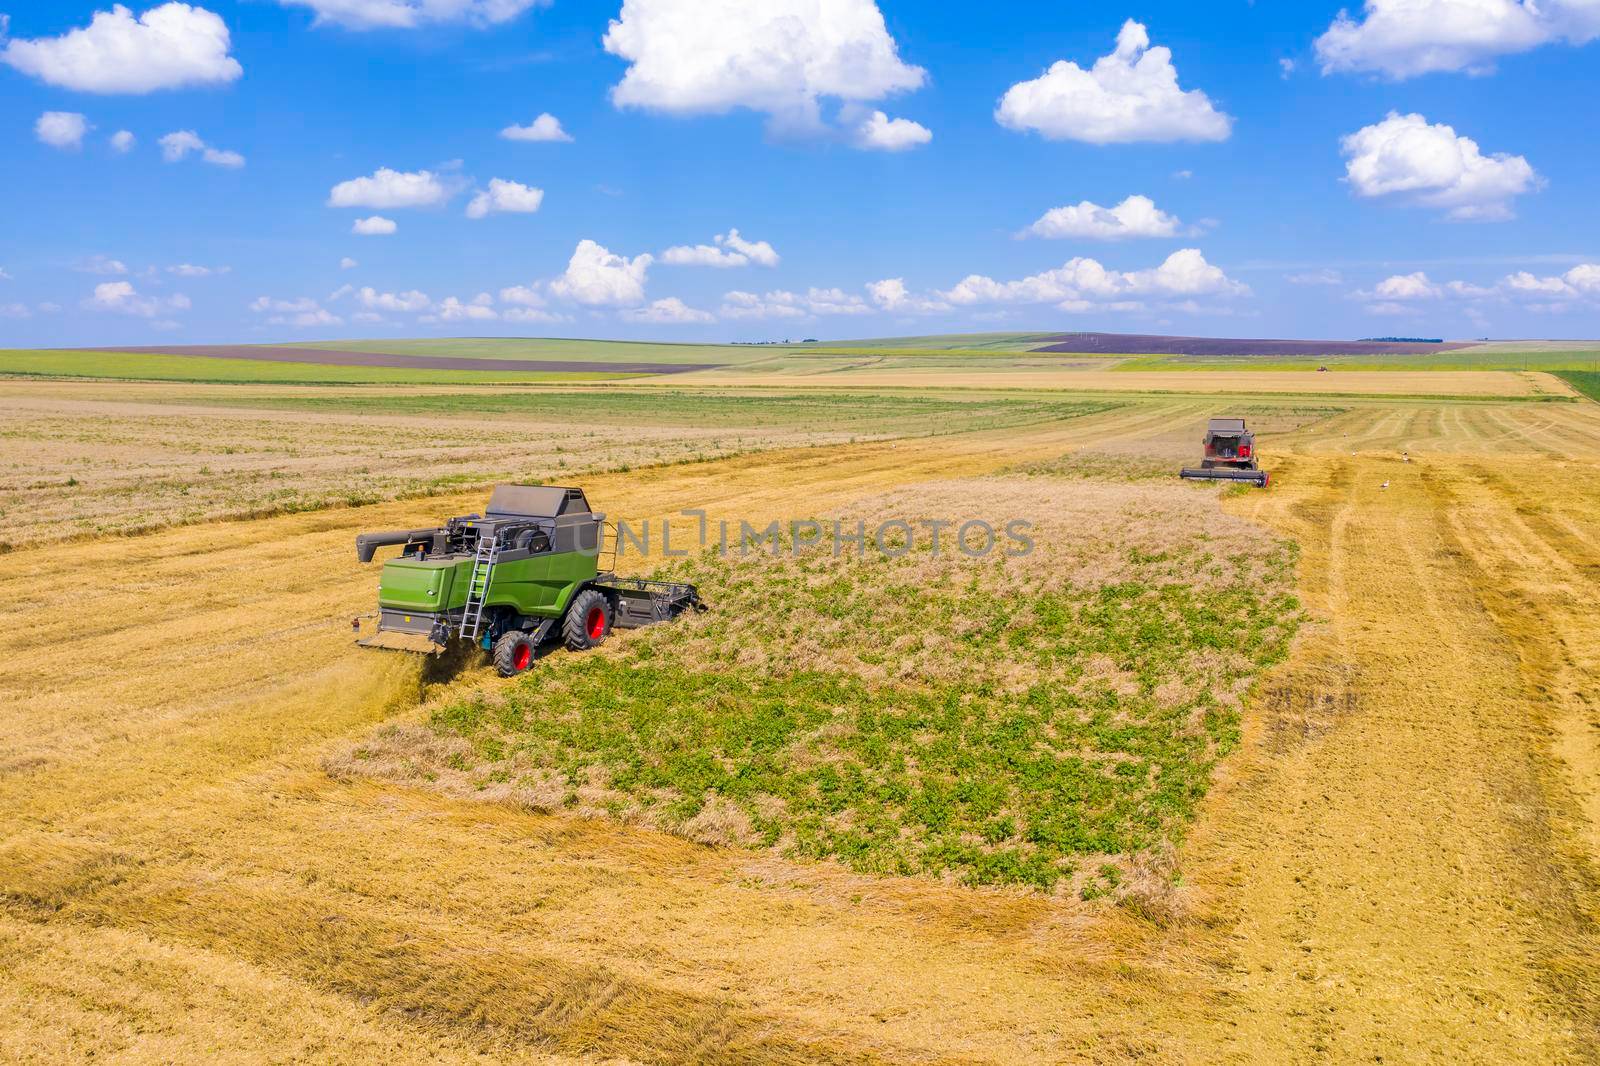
pixel 1140 344
pixel 339 357
pixel 1399 864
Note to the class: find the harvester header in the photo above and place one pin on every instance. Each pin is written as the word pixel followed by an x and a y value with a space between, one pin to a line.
pixel 1230 455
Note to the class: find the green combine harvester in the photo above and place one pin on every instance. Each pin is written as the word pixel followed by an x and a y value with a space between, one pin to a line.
pixel 524 573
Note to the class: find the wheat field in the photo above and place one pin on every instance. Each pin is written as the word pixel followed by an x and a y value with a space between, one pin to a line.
pixel 1398 859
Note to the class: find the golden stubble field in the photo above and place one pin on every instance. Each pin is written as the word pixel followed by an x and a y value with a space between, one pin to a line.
pixel 873 374
pixel 1400 862
pixel 85 459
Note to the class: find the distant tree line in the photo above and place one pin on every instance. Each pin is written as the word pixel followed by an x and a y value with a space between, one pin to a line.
pixel 1402 340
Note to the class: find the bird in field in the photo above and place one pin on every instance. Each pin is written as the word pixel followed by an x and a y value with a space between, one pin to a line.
pixel 1385 485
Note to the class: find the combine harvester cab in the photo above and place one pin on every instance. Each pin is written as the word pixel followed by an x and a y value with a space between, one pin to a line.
pixel 1230 455
pixel 522 574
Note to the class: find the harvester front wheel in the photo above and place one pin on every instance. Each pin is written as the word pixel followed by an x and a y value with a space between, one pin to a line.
pixel 513 654
pixel 588 621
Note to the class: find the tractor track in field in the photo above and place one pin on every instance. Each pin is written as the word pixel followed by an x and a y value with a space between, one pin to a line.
pixel 1412 877
pixel 1398 863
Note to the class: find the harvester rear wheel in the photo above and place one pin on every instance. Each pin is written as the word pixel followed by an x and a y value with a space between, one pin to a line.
pixel 513 653
pixel 588 621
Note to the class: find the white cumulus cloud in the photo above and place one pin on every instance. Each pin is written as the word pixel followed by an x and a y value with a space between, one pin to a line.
pixel 179 144
pixel 776 57
pixel 388 188
pixel 412 301
pixel 307 319
pixel 880 132
pixel 505 197
pixel 532 314
pixel 1585 278
pixel 1128 96
pixel 1524 282
pixel 891 294
pixel 61 129
pixel 545 128
pixel 598 278
pixel 835 302
pixel 1407 287
pixel 190 270
pixel 1083 284
pixel 101 264
pixel 1316 277
pixel 669 311
pixel 1406 38
pixel 376 226
pixel 1401 293
pixel 303 312
pixel 409 14
pixel 522 296
pixel 781 303
pixel 451 309
pixel 1430 164
pixel 122 142
pixel 739 304
pixel 1136 216
pixel 730 250
pixel 262 304
pixel 121 297
pixel 1582 281
pixel 348 264
pixel 168 47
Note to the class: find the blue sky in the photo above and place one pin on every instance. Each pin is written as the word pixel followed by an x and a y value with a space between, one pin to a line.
pixel 1405 171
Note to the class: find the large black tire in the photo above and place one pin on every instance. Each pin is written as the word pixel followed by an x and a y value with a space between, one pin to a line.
pixel 514 653
pixel 588 621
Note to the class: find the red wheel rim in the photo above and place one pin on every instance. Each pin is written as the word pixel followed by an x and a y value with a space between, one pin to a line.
pixel 597 623
pixel 523 657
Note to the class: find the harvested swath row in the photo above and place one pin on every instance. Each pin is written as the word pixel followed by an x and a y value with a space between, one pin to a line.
pixel 1048 719
pixel 81 469
pixel 1097 465
pixel 79 460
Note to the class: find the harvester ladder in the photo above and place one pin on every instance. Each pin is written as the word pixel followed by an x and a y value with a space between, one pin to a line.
pixel 606 559
pixel 478 588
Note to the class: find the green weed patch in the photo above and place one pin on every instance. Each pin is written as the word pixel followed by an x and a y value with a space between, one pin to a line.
pixel 1005 720
pixel 1585 381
